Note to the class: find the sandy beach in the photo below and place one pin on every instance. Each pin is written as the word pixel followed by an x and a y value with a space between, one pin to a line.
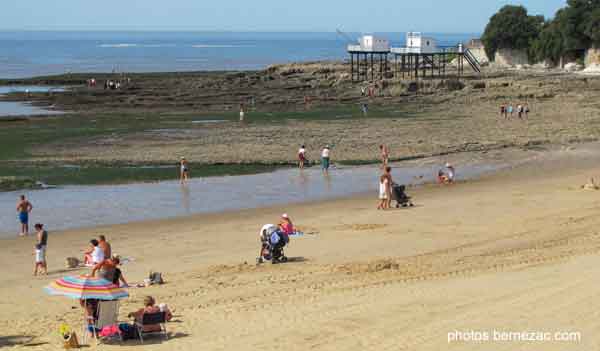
pixel 516 251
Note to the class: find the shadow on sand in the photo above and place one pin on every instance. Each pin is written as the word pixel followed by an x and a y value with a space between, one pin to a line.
pixel 19 340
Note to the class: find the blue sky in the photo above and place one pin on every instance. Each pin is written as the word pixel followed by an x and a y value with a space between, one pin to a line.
pixel 260 15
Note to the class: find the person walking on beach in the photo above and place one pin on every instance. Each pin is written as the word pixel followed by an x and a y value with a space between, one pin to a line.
pixel 526 109
pixel 325 159
pixel 184 170
pixel 520 111
pixel 301 156
pixel 390 182
pixel 24 207
pixel 40 250
pixel 385 155
pixel 510 110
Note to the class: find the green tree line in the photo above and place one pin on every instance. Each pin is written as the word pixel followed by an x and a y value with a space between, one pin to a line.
pixel 574 29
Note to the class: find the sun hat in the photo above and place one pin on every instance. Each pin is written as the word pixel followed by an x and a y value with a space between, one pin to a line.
pixel 285 215
pixel 448 165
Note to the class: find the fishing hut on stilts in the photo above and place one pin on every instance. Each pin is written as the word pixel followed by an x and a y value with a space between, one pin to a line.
pixel 420 58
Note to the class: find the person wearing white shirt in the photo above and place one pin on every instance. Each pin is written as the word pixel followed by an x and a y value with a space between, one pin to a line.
pixel 325 159
pixel 301 156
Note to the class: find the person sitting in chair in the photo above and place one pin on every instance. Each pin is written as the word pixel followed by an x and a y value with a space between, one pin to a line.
pixel 150 307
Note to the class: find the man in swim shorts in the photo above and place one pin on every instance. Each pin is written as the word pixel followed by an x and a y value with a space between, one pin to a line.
pixel 23 209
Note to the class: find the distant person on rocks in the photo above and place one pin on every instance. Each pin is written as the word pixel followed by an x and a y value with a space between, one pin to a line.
pixel 40 250
pixel 526 111
pixel 184 170
pixel 242 113
pixel 301 156
pixel 325 154
pixel 365 109
pixel 503 110
pixel 520 111
pixel 510 110
pixel 24 207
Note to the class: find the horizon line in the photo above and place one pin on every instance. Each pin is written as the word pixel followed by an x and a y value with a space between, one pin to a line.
pixel 214 30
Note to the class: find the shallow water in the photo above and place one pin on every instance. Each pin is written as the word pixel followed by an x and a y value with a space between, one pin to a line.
pixel 12 108
pixel 7 89
pixel 83 206
pixel 15 109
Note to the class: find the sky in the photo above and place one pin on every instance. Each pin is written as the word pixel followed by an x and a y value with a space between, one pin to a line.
pixel 448 16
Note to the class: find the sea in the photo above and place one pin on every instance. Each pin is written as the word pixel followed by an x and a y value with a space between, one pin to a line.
pixel 26 54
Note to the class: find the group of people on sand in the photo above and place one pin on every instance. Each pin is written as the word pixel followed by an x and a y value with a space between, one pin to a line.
pixel 385 189
pixel 508 110
pixel 100 257
pixel 125 330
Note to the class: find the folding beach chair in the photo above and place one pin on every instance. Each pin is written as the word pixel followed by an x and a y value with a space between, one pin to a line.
pixel 159 318
pixel 108 312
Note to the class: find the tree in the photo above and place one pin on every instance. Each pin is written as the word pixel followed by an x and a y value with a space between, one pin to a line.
pixel 549 45
pixel 591 27
pixel 511 28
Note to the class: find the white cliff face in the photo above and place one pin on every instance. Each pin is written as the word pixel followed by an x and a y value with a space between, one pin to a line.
pixel 511 57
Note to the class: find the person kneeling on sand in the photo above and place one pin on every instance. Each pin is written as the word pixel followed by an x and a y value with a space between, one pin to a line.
pixel 150 308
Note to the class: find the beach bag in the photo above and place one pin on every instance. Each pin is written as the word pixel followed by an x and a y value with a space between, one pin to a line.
pixel 72 262
pixel 156 278
pixel 128 331
pixel 70 341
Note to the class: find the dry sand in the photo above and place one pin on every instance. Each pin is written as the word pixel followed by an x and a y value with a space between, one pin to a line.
pixel 517 251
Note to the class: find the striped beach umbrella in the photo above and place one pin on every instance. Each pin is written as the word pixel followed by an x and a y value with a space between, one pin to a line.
pixel 86 288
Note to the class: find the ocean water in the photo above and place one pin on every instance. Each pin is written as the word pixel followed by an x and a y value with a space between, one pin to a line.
pixel 36 53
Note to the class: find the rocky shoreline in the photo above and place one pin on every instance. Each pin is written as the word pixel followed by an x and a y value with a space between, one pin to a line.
pixel 156 118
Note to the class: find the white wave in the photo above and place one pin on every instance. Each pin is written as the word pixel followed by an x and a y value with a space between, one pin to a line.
pixel 204 46
pixel 118 45
pixel 158 45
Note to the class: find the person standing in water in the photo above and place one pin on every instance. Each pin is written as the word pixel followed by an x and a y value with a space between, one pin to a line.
pixel 301 156
pixel 385 155
pixel 184 170
pixel 24 207
pixel 325 159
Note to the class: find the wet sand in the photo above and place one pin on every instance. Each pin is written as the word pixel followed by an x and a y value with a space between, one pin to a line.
pixel 516 251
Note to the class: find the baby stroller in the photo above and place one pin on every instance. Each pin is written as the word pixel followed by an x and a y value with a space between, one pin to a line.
pixel 272 243
pixel 398 194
